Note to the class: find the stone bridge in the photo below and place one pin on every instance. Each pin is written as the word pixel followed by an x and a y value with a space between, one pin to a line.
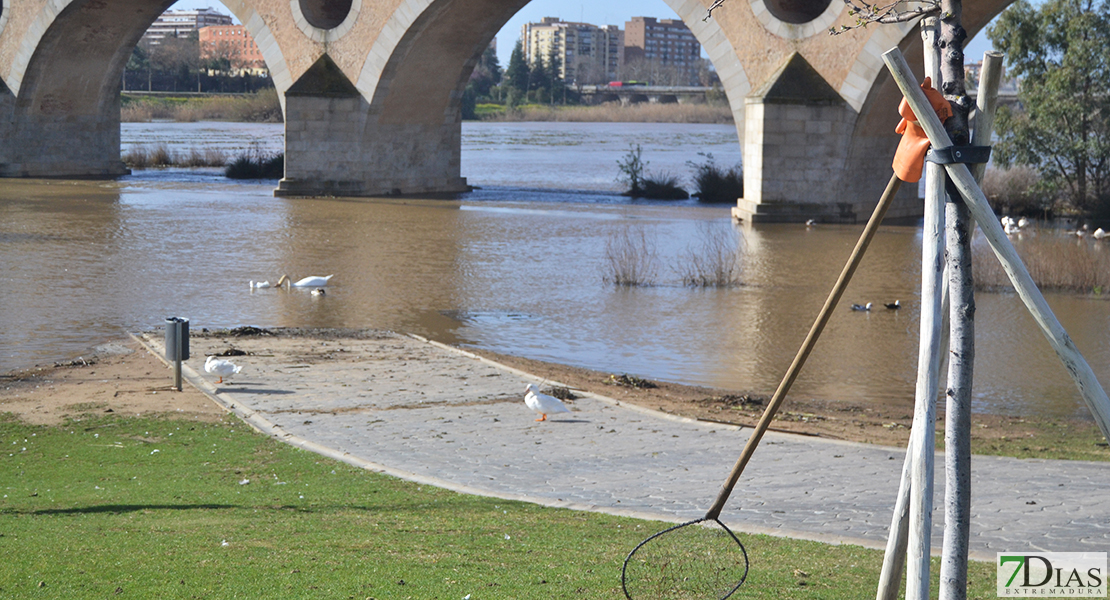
pixel 371 91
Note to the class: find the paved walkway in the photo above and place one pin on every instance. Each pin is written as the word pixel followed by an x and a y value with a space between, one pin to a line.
pixel 433 414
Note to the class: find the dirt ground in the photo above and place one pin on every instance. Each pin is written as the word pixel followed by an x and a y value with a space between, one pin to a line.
pixel 122 377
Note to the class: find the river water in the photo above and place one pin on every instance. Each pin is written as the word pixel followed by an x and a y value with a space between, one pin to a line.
pixel 518 266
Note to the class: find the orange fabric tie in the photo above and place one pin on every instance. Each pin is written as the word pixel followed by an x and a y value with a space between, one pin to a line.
pixel 909 159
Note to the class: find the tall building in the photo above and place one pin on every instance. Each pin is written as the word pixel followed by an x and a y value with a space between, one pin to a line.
pixel 179 23
pixel 665 42
pixel 234 43
pixel 586 53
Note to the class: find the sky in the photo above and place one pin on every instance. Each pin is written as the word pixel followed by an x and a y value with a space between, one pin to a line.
pixel 602 12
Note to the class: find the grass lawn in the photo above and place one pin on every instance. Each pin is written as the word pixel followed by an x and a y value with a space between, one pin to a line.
pixel 107 507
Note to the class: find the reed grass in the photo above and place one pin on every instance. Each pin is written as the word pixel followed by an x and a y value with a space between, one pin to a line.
pixel 613 113
pixel 716 261
pixel 1056 262
pixel 160 155
pixel 256 165
pixel 661 186
pixel 631 259
pixel 260 107
pixel 714 183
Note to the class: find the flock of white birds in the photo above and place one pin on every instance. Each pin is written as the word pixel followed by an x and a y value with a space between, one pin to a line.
pixel 541 403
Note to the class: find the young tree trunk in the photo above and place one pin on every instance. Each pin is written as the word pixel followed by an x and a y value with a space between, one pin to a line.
pixel 957 435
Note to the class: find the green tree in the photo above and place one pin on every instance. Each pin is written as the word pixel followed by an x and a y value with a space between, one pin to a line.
pixel 1060 51
pixel 517 72
pixel 556 86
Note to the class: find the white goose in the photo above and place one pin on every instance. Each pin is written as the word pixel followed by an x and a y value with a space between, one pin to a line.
pixel 220 367
pixel 542 403
pixel 313 282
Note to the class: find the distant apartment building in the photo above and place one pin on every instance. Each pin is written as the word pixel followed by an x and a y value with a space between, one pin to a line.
pixel 586 53
pixel 179 23
pixel 666 42
pixel 234 43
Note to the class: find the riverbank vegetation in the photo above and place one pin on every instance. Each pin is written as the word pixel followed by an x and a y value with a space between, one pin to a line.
pixel 258 107
pixel 256 165
pixel 714 259
pixel 1057 261
pixel 1060 52
pixel 711 182
pixel 160 155
pixel 185 508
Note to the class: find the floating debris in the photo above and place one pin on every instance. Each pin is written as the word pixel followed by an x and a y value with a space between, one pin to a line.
pixel 631 381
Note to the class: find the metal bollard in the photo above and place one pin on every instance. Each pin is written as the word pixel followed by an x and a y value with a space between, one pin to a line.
pixel 177 346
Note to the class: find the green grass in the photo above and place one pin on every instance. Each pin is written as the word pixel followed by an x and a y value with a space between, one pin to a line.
pixel 141 508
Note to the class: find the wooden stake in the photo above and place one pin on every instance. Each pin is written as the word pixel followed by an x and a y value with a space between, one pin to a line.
pixel 894 559
pixel 1073 360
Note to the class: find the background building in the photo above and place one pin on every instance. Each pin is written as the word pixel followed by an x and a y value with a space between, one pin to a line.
pixel 179 23
pixel 586 54
pixel 234 43
pixel 661 49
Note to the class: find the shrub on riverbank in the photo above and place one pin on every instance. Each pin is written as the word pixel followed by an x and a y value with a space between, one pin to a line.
pixel 255 165
pixel 713 183
pixel 658 186
pixel 260 107
pixel 661 186
pixel 1056 262
pixel 1013 192
pixel 160 155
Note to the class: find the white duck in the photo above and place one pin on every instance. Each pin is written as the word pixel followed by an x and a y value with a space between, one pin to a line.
pixel 542 403
pixel 260 285
pixel 1099 234
pixel 223 368
pixel 313 282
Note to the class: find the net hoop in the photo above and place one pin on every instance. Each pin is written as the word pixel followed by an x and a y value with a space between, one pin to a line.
pixel 744 551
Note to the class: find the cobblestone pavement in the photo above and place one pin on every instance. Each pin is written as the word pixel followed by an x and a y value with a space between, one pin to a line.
pixel 438 415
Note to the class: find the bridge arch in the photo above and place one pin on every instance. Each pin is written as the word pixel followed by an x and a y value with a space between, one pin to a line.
pixel 407 118
pixel 65 81
pixel 373 104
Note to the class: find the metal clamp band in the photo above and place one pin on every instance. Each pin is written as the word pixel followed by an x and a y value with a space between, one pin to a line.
pixel 959 154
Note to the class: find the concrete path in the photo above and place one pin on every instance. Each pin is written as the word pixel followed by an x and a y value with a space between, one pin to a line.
pixel 438 415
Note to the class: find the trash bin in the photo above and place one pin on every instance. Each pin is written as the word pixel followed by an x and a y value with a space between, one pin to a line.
pixel 177 329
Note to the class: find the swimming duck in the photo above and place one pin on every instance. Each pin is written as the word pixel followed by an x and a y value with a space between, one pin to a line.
pixel 861 306
pixel 318 292
pixel 894 305
pixel 313 282
pixel 542 404
pixel 220 367
pixel 1099 234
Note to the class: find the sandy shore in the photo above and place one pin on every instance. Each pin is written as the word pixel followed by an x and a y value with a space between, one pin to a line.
pixel 122 377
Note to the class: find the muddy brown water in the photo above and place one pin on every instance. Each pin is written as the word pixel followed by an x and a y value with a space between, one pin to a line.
pixel 509 268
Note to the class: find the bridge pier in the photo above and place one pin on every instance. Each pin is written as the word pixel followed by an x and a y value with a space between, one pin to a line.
pixel 78 146
pixel 337 145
